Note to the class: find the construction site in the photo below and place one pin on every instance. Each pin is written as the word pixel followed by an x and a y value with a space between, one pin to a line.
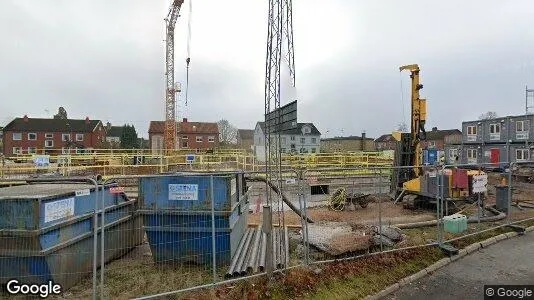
pixel 173 223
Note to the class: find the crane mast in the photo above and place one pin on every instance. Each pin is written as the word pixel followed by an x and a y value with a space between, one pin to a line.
pixel 170 134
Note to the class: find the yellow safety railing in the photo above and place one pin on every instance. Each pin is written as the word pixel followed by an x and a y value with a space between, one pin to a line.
pixel 124 163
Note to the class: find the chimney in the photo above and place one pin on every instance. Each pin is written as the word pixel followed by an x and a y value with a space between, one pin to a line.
pixel 363 141
pixel 86 120
pixel 184 120
pixel 25 118
pixel 434 129
pixel 108 125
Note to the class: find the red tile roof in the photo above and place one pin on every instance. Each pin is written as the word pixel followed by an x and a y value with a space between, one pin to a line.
pixel 185 127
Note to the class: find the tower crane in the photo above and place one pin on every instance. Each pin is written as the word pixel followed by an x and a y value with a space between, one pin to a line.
pixel 170 132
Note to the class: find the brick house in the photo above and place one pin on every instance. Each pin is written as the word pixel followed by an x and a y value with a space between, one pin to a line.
pixel 191 135
pixel 347 143
pixel 437 139
pixel 52 136
pixel 245 139
pixel 113 135
pixel 385 142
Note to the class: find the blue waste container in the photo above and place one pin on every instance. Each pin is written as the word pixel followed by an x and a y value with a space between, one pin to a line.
pixel 177 215
pixel 46 231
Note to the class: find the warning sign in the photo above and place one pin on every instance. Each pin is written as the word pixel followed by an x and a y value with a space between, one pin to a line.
pixel 480 183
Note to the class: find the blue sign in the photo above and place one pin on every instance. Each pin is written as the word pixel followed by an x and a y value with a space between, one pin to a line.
pixel 432 156
pixel 190 157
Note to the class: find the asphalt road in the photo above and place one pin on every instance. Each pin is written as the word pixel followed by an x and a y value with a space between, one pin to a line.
pixel 507 262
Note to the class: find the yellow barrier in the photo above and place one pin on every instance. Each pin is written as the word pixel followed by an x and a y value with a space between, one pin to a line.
pixel 142 164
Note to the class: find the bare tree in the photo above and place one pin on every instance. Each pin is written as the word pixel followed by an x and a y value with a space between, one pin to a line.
pixel 488 115
pixel 402 127
pixel 227 132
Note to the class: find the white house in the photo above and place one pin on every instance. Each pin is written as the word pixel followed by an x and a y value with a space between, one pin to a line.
pixel 304 138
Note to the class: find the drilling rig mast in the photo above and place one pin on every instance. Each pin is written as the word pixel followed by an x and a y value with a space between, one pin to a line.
pixel 171 87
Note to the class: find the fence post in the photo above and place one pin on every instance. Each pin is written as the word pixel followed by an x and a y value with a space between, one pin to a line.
pixel 267 228
pixel 380 209
pixel 439 179
pixel 95 240
pixel 305 229
pixel 102 254
pixel 509 208
pixel 213 244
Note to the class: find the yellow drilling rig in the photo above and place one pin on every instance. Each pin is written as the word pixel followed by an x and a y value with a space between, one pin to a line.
pixel 414 183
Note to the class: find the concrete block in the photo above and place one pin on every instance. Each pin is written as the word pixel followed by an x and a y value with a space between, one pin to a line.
pixel 488 242
pixel 501 237
pixel 461 253
pixel 472 248
pixel 390 289
pixel 413 278
pixel 511 234
pixel 439 264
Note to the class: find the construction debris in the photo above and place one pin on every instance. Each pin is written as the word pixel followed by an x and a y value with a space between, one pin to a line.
pixel 336 238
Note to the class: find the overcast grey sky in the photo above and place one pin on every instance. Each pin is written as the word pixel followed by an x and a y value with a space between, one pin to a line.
pixel 105 59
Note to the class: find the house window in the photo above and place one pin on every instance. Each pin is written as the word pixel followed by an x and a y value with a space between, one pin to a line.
pixel 79 137
pixel 520 126
pixel 185 144
pixel 16 150
pixel 184 137
pixel 283 140
pixel 452 154
pixel 283 150
pixel 314 141
pixel 32 136
pixel 432 144
pixel 292 137
pixel 521 130
pixel 471 130
pixel 302 140
pixel 471 133
pixel 65 150
pixel 293 146
pixel 495 131
pixel 32 150
pixel 521 154
pixel 65 137
pixel 199 139
pixel 313 150
pixel 49 136
pixel 307 130
pixel 495 128
pixel 211 139
pixel 49 143
pixel 472 155
pixel 17 136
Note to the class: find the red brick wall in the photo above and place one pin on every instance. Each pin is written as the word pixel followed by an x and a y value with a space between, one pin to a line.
pixel 90 140
pixel 193 144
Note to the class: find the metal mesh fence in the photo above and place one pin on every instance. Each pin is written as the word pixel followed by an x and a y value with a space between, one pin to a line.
pixel 170 234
